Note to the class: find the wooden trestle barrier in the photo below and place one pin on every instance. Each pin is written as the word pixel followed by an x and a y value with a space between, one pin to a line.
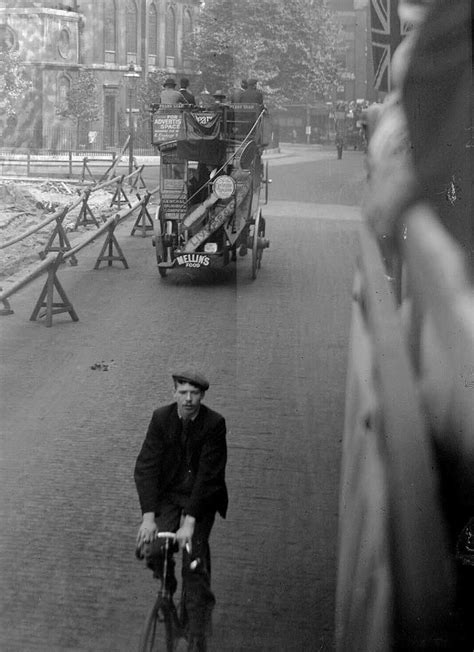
pixel 59 233
pixel 47 304
pixel 86 216
pixel 46 301
pixel 110 252
pixel 144 220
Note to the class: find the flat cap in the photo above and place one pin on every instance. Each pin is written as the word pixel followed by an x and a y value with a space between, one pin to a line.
pixel 193 377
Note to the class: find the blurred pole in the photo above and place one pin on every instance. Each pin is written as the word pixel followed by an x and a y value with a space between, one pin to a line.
pixel 131 76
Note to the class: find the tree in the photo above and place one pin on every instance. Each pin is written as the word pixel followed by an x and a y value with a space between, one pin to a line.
pixel 290 47
pixel 14 84
pixel 82 101
pixel 148 93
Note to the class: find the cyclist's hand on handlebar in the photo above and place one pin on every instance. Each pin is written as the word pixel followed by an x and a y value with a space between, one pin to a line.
pixel 147 531
pixel 185 533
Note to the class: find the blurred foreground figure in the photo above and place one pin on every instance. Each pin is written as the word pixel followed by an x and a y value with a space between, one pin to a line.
pixel 437 97
pixel 421 150
pixel 422 146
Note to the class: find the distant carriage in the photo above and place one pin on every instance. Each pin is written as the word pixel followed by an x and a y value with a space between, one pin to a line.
pixel 211 181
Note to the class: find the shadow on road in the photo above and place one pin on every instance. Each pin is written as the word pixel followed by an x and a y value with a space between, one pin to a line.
pixel 201 277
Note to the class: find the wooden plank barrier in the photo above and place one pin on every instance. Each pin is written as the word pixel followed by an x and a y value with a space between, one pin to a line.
pixel 110 252
pixel 395 587
pixel 114 220
pixel 105 184
pixel 63 241
pixel 47 306
pixel 37 227
pixel 24 280
pixel 46 298
pixel 110 172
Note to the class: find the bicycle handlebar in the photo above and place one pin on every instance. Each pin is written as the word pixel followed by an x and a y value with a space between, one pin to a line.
pixel 166 535
pixel 169 536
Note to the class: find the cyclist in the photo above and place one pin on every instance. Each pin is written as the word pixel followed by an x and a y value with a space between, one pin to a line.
pixel 180 480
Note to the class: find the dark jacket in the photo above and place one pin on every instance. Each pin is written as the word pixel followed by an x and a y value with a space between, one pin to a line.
pixel 251 96
pixel 189 97
pixel 159 461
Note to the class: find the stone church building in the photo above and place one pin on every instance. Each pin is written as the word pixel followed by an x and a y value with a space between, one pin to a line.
pixel 57 39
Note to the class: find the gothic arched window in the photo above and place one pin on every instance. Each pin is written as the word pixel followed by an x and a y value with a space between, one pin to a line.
pixel 170 34
pixel 63 88
pixel 152 33
pixel 110 31
pixel 131 31
pixel 7 38
pixel 187 25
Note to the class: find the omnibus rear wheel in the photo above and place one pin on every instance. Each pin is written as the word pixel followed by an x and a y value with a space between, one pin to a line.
pixel 257 250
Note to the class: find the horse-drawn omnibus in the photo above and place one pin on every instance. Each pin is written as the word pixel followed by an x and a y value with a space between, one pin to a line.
pixel 211 181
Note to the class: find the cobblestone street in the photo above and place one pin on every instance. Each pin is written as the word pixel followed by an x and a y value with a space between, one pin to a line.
pixel 77 399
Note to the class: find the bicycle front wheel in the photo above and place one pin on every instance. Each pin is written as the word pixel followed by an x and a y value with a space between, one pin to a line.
pixel 160 617
pixel 148 638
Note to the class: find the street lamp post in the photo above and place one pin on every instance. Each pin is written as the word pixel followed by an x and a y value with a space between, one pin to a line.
pixel 131 76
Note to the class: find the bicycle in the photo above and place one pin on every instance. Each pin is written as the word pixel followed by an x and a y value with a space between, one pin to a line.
pixel 164 610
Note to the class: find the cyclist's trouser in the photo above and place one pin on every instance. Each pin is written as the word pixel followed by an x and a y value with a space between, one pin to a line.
pixel 196 571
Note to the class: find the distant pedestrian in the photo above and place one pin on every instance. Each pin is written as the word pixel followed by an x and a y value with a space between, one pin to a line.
pixel 252 95
pixel 219 97
pixel 169 94
pixel 339 145
pixel 235 93
pixel 188 96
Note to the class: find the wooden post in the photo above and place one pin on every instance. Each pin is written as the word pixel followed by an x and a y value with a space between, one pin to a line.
pixel 85 167
pixel 86 211
pixel 143 217
pixel 109 244
pixel 64 244
pixel 119 192
pixel 46 298
pixel 138 182
pixel 6 310
pixel 70 164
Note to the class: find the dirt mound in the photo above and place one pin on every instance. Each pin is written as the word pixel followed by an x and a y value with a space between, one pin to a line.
pixel 24 205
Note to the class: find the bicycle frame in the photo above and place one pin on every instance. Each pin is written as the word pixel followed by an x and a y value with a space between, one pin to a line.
pixel 164 610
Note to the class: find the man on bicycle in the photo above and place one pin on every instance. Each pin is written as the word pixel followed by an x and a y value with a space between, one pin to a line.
pixel 180 480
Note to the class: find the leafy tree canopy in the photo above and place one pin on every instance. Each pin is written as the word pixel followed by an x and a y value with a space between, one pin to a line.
pixel 148 91
pixel 14 84
pixel 290 47
pixel 82 100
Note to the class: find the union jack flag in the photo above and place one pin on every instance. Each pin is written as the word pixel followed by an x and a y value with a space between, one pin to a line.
pixel 386 34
